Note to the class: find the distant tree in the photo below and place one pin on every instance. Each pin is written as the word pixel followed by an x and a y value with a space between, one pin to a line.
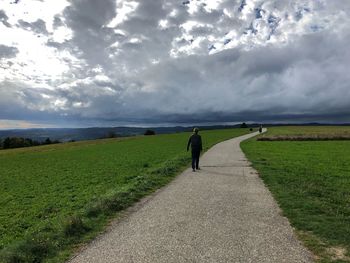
pixel 244 125
pixel 28 142
pixel 18 142
pixel 0 143
pixel 7 142
pixel 150 132
pixel 14 142
pixel 36 143
pixel 111 134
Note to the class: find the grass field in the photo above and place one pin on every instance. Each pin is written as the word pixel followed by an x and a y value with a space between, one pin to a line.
pixel 309 130
pixel 311 182
pixel 55 196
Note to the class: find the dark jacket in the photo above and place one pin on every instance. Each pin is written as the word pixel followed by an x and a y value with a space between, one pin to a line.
pixel 196 142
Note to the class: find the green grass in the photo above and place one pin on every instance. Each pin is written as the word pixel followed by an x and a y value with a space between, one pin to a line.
pixel 309 130
pixel 55 196
pixel 311 183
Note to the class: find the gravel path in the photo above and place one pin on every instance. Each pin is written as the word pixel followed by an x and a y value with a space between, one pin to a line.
pixel 223 213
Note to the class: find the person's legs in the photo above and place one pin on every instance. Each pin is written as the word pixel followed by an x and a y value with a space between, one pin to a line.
pixel 193 160
pixel 197 160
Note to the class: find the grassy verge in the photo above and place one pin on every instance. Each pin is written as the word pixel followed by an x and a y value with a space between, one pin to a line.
pixel 311 182
pixel 305 138
pixel 55 197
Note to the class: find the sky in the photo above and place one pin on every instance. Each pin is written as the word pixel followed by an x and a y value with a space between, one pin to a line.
pixel 83 63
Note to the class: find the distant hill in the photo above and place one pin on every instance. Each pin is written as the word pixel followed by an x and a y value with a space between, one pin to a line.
pixel 78 134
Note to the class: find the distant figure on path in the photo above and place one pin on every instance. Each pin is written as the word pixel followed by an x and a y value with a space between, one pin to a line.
pixel 196 145
pixel 260 128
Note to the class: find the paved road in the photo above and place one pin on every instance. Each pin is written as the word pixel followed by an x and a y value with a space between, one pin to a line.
pixel 223 213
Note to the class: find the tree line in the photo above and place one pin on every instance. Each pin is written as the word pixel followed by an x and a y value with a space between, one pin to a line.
pixel 19 142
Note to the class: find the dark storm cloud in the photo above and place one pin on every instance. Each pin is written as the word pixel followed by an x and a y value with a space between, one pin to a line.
pixel 259 83
pixel 7 52
pixel 297 78
pixel 264 82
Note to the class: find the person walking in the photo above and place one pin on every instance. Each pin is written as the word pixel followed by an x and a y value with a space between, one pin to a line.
pixel 196 146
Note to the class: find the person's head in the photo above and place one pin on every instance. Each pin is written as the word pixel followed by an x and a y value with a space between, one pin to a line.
pixel 195 130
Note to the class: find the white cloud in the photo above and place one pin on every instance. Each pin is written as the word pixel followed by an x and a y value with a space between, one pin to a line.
pixel 124 9
pixel 32 10
pixel 132 60
pixel 35 62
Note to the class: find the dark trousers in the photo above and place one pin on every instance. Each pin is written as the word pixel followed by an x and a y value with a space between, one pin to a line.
pixel 195 158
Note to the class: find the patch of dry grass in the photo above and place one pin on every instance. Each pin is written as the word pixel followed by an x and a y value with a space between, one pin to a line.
pixel 313 137
pixel 338 253
pixel 323 253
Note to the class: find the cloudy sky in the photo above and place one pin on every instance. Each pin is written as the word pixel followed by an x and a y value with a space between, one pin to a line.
pixel 107 62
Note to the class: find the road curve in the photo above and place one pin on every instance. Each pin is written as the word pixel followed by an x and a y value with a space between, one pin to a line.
pixel 223 213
